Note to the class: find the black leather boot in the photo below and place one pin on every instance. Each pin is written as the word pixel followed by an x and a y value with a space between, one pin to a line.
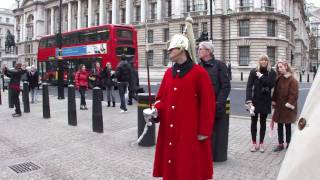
pixel 108 104
pixel 113 104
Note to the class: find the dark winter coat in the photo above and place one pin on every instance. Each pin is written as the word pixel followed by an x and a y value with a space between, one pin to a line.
pixel 96 74
pixel 186 107
pixel 285 96
pixel 108 77
pixel 15 77
pixel 123 72
pixel 220 82
pixel 259 90
pixel 33 79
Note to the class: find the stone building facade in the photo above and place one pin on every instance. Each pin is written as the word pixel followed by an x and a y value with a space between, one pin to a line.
pixel 242 29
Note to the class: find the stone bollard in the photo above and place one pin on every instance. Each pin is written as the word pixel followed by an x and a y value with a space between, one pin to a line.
pixel 72 111
pixel 300 77
pixel 97 119
pixel 45 101
pixel 241 76
pixel 308 78
pixel 220 136
pixel 143 103
pixel 25 97
pixel 10 102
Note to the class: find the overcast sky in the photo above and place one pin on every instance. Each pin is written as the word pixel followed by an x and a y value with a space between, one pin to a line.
pixel 10 4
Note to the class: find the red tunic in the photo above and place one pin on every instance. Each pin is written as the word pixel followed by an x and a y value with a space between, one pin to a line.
pixel 186 109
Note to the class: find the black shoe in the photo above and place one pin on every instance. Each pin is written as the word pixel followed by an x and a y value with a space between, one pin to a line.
pixel 81 107
pixel 288 145
pixel 113 104
pixel 16 115
pixel 279 148
pixel 85 107
pixel 108 104
pixel 129 103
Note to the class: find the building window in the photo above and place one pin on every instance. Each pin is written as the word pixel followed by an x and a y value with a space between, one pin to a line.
pixel 123 16
pixel 0 30
pixel 182 28
pixel 268 5
pixel 166 35
pixel 244 27
pixel 110 17
pixel 204 27
pixel 245 5
pixel 195 28
pixel 0 54
pixel 138 14
pixel 0 19
pixel 196 5
pixel 271 52
pixel 153 8
pixel 168 8
pixel 29 26
pixel 165 57
pixel 0 43
pixel 150 36
pixel 244 55
pixel 7 20
pixel 271 32
pixel 149 59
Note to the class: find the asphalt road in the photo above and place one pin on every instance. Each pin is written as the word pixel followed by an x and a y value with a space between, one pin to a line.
pixel 237 95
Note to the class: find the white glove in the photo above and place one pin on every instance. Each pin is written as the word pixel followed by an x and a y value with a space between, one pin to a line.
pixel 250 108
pixel 149 114
pixel 202 137
pixel 259 75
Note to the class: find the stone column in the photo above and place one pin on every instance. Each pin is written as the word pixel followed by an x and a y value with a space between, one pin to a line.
pixel 69 16
pixel 102 12
pixel 79 15
pixel 35 18
pixel 52 21
pixel 177 9
pixel 89 13
pixel 115 10
pixel 159 9
pixel 143 11
pixel 128 11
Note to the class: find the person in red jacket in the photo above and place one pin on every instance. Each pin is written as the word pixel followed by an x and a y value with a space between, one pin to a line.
pixel 81 81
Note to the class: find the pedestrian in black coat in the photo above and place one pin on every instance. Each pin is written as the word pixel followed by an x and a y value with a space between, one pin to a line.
pixel 108 77
pixel 220 81
pixel 258 94
pixel 33 79
pixel 14 85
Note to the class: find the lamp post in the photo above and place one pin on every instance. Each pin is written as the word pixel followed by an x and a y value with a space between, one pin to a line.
pixel 211 21
pixel 18 3
pixel 59 57
pixel 229 11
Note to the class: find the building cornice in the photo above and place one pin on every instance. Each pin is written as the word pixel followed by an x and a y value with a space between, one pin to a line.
pixel 6 24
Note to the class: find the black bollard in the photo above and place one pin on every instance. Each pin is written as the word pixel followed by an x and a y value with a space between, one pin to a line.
pixel 308 78
pixel 314 75
pixel 150 136
pixel 10 102
pixel 45 101
pixel 0 97
pixel 220 136
pixel 97 119
pixel 241 76
pixel 72 112
pixel 25 97
pixel 300 77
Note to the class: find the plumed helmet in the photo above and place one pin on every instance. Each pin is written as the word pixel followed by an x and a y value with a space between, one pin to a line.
pixel 179 41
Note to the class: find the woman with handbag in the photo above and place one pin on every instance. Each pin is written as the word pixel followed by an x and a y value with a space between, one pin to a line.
pixel 81 81
pixel 258 99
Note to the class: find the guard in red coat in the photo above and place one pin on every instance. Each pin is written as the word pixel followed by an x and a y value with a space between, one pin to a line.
pixel 185 108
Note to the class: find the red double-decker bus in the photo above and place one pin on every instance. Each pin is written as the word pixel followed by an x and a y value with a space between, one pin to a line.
pixel 106 43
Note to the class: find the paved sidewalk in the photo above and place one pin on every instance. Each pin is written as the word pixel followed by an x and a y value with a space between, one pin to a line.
pixel 67 152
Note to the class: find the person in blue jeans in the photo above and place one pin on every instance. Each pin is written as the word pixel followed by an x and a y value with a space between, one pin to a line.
pixel 123 75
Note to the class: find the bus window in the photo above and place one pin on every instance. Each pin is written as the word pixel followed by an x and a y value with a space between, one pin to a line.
pixel 102 34
pixel 43 43
pixel 51 42
pixel 88 36
pixel 121 33
pixel 129 51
